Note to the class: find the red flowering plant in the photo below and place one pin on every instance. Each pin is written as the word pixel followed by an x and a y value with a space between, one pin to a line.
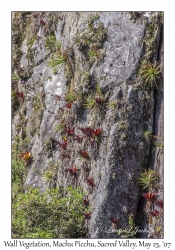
pixel 97 132
pixel 86 215
pixel 94 102
pixel 84 154
pixel 114 220
pixel 26 156
pixel 69 131
pixel 72 170
pixel 160 203
pixel 68 105
pixel 20 95
pixel 154 213
pixel 63 144
pixel 64 155
pixel 42 22
pixel 99 99
pixel 57 97
pixel 78 138
pixel 86 167
pixel 87 131
pixel 86 202
pixel 36 15
pixel 90 182
pixel 150 196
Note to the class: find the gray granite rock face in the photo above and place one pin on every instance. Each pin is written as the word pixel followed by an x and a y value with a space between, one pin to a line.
pixel 123 150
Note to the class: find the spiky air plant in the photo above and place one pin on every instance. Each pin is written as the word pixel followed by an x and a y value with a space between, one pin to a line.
pixel 147 179
pixel 150 74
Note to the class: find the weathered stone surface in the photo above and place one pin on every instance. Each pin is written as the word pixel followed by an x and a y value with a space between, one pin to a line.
pixel 123 150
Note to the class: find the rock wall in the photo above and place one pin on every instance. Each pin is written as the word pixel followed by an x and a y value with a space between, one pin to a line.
pixel 101 53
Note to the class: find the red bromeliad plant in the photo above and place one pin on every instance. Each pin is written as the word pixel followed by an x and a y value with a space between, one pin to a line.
pixel 84 154
pixel 160 203
pixel 85 167
pixel 97 131
pixel 70 131
pixel 62 145
pixel 72 170
pixel 65 155
pixel 26 156
pixel 36 15
pixel 20 95
pixel 87 131
pixel 42 22
pixel 57 97
pixel 154 213
pixel 114 220
pixel 68 105
pixel 91 132
pixel 150 196
pixel 79 138
pixel 91 143
pixel 90 182
pixel 99 100
pixel 87 215
pixel 86 202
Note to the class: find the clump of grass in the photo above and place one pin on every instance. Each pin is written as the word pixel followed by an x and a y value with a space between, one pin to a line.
pixel 96 100
pixel 60 127
pixel 147 179
pixel 70 96
pixel 15 78
pixel 90 103
pixel 150 74
pixel 52 44
pixel 48 175
pixel 112 105
pixel 56 60
pixel 92 55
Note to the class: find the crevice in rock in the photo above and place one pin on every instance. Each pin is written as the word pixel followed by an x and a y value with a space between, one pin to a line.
pixel 141 219
pixel 160 44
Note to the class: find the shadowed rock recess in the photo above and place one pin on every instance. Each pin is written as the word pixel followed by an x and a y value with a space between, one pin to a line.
pixel 88 107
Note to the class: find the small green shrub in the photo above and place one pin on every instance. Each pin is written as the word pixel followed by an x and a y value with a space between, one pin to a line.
pixel 130 231
pixel 50 214
pixel 19 170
